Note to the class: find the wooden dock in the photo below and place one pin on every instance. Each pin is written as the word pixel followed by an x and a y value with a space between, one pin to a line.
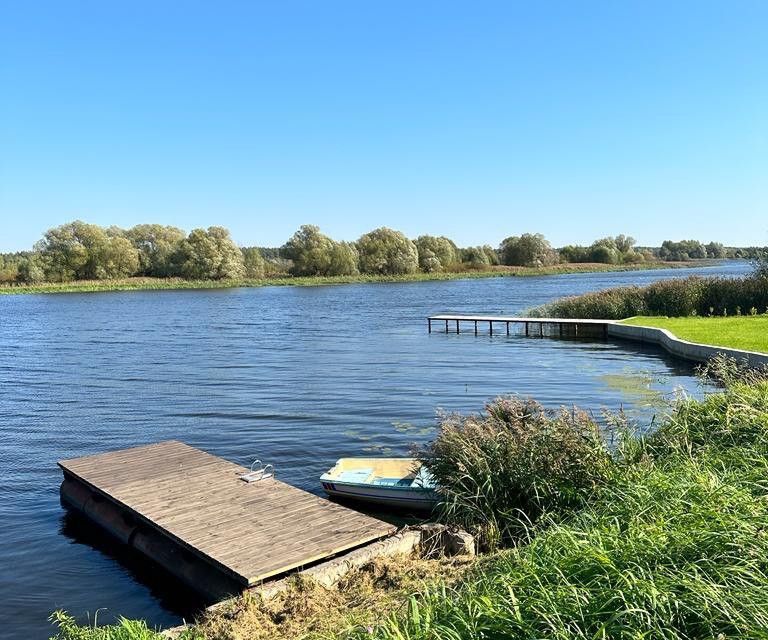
pixel 562 326
pixel 191 512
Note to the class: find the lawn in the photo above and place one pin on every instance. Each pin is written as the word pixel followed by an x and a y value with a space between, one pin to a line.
pixel 737 332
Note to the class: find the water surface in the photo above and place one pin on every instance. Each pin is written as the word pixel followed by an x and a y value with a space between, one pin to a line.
pixel 294 376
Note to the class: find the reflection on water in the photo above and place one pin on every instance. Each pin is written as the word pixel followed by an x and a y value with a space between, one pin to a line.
pixel 297 377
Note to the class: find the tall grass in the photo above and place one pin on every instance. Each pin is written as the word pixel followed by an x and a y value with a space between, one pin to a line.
pixel 501 470
pixel 675 297
pixel 674 545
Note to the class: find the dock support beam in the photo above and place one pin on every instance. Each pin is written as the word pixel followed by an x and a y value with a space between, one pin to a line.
pixel 490 326
pixel 429 324
pixel 475 327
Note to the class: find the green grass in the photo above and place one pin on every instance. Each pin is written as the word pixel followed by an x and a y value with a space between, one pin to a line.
pixel 738 332
pixel 148 284
pixel 675 546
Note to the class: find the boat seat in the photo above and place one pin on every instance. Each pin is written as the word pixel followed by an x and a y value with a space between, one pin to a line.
pixel 393 482
pixel 358 475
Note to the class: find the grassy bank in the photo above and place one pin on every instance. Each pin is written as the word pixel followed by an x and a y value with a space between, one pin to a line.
pixel 693 296
pixel 738 332
pixel 149 284
pixel 666 539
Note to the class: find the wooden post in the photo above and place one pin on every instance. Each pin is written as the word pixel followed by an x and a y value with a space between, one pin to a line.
pixel 490 324
pixel 507 327
pixel 429 324
pixel 541 329
pixel 561 329
pixel 457 326
pixel 475 327
pixel 446 326
pixel 526 329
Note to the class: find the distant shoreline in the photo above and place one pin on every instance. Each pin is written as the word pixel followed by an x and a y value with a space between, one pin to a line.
pixel 152 284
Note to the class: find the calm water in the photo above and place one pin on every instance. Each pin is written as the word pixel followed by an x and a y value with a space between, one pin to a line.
pixel 296 376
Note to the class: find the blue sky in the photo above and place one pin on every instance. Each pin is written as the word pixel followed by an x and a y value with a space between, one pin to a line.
pixel 476 120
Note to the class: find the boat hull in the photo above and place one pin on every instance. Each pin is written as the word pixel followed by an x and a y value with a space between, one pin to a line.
pixel 401 497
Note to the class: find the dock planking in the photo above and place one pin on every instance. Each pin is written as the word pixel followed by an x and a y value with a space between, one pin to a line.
pixel 250 531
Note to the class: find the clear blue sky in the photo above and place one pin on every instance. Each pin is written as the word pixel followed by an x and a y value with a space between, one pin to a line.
pixel 476 120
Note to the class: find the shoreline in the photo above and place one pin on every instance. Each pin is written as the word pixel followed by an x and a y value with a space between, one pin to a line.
pixel 170 284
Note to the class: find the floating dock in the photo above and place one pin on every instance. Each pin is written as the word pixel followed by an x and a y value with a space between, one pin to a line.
pixel 191 512
pixel 532 326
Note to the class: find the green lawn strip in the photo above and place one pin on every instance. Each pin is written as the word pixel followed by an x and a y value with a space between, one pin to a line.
pixel 738 332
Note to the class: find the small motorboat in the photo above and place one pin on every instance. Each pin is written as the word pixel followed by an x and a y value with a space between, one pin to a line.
pixel 389 482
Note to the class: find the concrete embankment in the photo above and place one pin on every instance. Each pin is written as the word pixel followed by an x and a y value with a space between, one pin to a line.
pixel 681 348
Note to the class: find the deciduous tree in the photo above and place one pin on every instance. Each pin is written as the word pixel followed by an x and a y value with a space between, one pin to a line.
pixel 386 251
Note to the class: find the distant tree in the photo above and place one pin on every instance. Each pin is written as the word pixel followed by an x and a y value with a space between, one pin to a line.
pixel 29 271
pixel 386 251
pixel 71 251
pixel 527 250
pixel 315 254
pixel 115 257
pixel 491 254
pixel 624 244
pixel 344 259
pixel 715 250
pixel 254 263
pixel 682 251
pixel 475 257
pixel 209 255
pixel 574 253
pixel 436 253
pixel 310 251
pixel 605 250
pixel 156 243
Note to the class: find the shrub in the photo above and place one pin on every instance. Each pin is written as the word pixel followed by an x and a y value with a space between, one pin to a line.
pixel 673 297
pixel 501 470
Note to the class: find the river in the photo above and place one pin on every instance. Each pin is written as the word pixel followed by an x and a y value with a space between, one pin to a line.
pixel 296 376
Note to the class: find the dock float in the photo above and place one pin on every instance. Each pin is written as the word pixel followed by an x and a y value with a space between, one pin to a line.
pixel 190 512
pixel 554 326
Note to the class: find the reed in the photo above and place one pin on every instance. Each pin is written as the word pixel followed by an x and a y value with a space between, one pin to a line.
pixel 693 296
pixel 500 471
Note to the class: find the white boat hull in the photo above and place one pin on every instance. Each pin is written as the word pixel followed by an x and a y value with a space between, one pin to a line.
pixel 401 497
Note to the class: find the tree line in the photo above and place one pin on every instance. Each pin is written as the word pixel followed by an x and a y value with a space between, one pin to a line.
pixel 81 251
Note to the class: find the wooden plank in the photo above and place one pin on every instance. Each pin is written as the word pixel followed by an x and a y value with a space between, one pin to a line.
pixel 251 531
pixel 516 319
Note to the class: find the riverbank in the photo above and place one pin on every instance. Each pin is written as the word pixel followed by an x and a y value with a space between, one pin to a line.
pixel 668 541
pixel 151 284
pixel 749 333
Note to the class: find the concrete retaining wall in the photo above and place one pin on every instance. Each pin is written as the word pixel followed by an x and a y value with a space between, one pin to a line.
pixel 682 348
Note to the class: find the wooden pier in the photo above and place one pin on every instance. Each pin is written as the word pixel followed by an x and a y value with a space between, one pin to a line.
pixel 562 326
pixel 192 513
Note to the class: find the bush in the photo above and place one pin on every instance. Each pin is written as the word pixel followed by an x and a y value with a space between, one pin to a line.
pixel 500 471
